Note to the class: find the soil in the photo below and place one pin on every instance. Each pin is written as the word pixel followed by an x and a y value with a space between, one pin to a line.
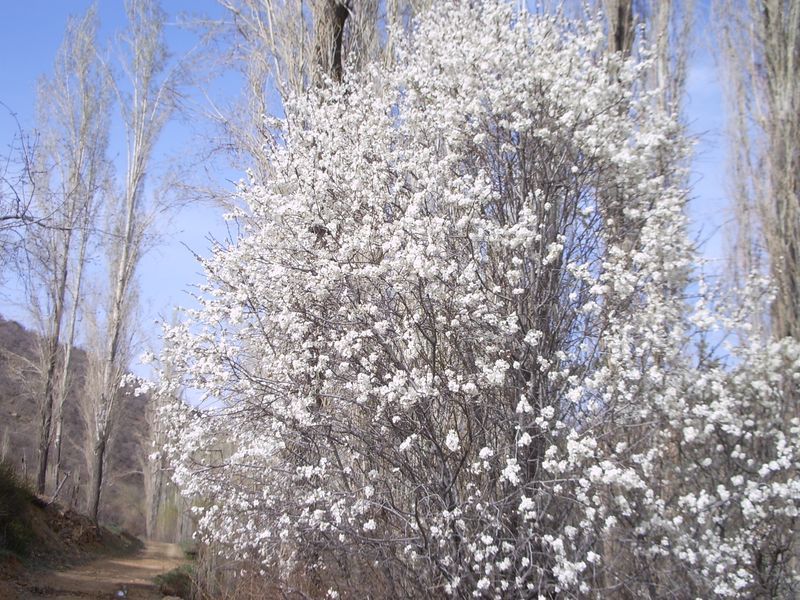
pixel 123 577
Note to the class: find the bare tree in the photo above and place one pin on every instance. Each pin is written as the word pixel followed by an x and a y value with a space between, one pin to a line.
pixel 285 47
pixel 666 28
pixel 760 57
pixel 71 168
pixel 760 41
pixel 145 111
pixel 90 134
pixel 288 43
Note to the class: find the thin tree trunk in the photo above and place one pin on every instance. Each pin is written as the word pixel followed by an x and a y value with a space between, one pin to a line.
pixel 69 344
pixel 45 419
pixel 51 361
pixel 155 499
pixel 108 387
pixel 96 477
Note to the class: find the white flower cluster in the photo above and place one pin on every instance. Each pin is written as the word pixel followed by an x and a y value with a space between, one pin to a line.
pixel 453 341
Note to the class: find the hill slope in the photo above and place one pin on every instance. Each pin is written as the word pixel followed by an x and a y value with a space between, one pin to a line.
pixel 122 502
pixel 36 536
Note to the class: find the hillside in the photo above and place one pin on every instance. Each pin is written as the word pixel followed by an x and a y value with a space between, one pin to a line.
pixel 37 534
pixel 50 551
pixel 123 493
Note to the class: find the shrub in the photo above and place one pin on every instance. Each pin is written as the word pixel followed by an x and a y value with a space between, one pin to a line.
pixel 177 582
pixel 453 351
pixel 15 497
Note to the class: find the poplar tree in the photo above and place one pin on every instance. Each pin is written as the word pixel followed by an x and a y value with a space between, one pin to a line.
pixel 146 100
pixel 71 174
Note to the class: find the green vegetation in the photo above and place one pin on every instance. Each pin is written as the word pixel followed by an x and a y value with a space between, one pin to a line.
pixel 177 582
pixel 189 549
pixel 16 532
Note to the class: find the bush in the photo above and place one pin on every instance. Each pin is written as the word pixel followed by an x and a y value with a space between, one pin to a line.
pixel 177 582
pixel 15 528
pixel 189 549
pixel 453 351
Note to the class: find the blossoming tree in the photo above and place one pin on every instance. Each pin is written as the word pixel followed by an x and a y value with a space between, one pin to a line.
pixel 452 351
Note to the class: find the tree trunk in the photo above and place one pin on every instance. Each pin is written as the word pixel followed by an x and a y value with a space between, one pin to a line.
pixel 46 409
pixel 330 37
pixel 96 479
pixel 154 488
pixel 622 32
pixel 64 383
pixel 46 419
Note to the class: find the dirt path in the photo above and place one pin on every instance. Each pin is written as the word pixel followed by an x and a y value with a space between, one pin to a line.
pixel 125 577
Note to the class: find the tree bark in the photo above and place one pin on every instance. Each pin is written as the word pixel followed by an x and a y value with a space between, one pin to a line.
pixel 330 37
pixel 46 419
pixel 96 480
pixel 620 13
pixel 51 360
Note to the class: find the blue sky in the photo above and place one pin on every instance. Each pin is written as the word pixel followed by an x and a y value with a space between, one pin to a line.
pixel 30 34
pixel 31 31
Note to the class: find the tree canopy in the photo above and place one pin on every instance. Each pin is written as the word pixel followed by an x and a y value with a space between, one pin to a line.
pixel 453 350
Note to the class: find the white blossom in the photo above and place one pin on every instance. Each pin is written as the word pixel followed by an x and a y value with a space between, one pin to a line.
pixel 458 306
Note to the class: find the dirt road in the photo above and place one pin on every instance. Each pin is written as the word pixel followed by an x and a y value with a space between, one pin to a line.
pixel 128 577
